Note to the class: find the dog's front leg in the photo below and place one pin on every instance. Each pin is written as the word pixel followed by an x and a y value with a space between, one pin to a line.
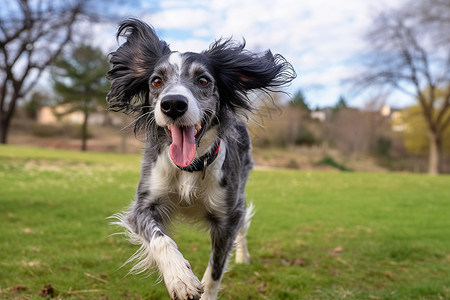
pixel 223 235
pixel 146 221
pixel 180 281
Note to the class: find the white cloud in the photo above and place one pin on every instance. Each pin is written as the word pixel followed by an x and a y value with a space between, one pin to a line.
pixel 179 18
pixel 191 45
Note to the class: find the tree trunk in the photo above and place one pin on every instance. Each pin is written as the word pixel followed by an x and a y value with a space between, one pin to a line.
pixel 4 124
pixel 5 119
pixel 84 131
pixel 434 155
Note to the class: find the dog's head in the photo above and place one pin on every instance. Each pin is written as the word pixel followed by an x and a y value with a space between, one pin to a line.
pixel 187 94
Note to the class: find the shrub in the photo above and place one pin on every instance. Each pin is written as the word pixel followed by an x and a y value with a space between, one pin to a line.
pixel 66 130
pixel 329 161
pixel 47 130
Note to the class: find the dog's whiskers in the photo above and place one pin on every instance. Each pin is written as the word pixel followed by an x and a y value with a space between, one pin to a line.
pixel 135 121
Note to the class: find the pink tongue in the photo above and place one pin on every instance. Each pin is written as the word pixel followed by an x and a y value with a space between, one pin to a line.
pixel 182 149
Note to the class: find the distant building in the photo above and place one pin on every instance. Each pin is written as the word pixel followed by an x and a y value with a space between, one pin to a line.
pixel 396 116
pixel 385 111
pixel 319 115
pixel 46 116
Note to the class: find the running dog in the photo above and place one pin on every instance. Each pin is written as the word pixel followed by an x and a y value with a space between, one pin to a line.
pixel 192 108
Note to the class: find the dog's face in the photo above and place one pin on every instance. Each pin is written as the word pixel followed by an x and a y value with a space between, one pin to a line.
pixel 183 93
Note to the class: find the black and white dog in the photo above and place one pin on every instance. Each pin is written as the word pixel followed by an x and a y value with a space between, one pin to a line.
pixel 192 108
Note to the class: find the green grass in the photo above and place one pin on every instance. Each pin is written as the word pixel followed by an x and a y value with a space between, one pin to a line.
pixel 315 235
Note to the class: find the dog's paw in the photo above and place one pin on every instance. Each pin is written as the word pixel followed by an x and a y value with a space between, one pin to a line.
pixel 184 285
pixel 186 291
pixel 186 288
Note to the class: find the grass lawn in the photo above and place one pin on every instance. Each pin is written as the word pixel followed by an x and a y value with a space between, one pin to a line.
pixel 315 235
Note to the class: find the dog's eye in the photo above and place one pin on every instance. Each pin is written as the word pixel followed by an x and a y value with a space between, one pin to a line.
pixel 157 82
pixel 203 81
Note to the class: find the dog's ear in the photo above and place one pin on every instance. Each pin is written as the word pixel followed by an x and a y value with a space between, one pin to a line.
pixel 239 71
pixel 132 64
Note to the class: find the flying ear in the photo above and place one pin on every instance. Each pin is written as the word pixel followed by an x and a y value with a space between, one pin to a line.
pixel 132 64
pixel 240 71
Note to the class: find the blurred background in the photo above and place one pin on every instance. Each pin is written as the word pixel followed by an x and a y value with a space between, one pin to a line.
pixel 372 92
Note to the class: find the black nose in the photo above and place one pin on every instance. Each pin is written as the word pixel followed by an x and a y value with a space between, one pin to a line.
pixel 174 106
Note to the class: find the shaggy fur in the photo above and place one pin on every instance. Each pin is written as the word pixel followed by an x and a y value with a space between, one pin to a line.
pixel 197 155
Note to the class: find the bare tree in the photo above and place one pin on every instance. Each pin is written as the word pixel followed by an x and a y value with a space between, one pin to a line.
pixel 410 52
pixel 32 34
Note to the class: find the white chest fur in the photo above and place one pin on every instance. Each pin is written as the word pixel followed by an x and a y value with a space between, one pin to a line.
pixel 189 193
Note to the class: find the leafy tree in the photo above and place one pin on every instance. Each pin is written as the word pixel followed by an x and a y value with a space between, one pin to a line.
pixel 340 104
pixel 79 79
pixel 410 53
pixel 299 100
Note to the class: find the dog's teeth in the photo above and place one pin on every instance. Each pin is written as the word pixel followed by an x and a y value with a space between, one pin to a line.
pixel 198 126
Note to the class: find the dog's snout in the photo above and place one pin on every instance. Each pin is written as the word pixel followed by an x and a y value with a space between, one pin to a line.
pixel 174 106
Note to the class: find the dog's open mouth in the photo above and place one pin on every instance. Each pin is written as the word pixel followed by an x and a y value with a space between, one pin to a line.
pixel 184 143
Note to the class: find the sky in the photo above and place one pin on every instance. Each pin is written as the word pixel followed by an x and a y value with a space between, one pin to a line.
pixel 322 39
